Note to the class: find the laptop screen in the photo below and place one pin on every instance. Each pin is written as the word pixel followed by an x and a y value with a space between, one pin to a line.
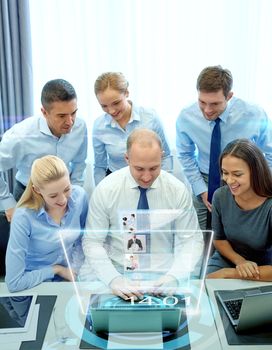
pixel 109 313
pixel 145 248
pixel 16 313
pixel 247 308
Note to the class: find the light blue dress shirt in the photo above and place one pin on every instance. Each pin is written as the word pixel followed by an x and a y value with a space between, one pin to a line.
pixel 35 246
pixel 109 140
pixel 32 139
pixel 193 136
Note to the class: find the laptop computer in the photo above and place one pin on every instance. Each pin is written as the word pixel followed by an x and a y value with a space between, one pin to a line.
pixel 109 313
pixel 247 308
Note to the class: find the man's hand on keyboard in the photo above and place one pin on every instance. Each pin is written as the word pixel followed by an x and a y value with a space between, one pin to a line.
pixel 125 288
pixel 165 285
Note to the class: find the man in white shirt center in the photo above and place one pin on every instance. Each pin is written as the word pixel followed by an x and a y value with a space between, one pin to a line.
pixel 104 250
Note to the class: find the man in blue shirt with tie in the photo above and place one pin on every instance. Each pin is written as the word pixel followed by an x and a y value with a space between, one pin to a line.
pixel 216 112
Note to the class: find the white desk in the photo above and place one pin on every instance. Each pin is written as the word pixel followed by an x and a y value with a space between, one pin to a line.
pixel 202 331
pixel 216 284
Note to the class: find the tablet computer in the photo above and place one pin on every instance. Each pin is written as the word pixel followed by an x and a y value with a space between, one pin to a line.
pixel 16 312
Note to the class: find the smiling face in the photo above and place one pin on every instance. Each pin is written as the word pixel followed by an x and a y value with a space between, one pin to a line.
pixel 213 104
pixel 56 193
pixel 60 116
pixel 115 103
pixel 236 174
pixel 144 163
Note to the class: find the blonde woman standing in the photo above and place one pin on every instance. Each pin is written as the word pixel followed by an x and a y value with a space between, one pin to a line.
pixel 49 206
pixel 111 129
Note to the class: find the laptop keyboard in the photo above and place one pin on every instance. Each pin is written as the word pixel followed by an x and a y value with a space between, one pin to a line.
pixel 234 307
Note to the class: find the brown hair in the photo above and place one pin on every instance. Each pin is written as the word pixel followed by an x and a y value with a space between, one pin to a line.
pixel 213 79
pixel 260 174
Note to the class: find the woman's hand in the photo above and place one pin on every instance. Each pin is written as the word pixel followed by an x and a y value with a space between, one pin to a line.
pixel 64 272
pixel 245 269
pixel 248 269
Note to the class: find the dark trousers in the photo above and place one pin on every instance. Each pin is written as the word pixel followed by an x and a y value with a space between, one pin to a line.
pixel 4 237
pixel 18 190
pixel 5 227
pixel 108 172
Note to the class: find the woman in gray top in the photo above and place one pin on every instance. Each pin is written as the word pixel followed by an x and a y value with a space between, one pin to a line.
pixel 242 215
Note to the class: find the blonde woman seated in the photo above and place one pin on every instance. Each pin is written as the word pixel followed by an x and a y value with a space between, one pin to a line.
pixel 49 205
pixel 242 215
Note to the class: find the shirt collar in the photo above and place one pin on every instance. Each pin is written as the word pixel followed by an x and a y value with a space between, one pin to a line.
pixel 134 184
pixel 224 116
pixel 134 113
pixel 108 119
pixel 72 200
pixel 44 127
pixel 41 212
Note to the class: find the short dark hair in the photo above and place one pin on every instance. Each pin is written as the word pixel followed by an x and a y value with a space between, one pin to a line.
pixel 57 90
pixel 260 174
pixel 213 79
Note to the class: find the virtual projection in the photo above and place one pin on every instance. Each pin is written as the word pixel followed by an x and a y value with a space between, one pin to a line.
pixel 146 276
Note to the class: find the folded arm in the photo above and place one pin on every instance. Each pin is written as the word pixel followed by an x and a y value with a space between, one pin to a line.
pixel 245 268
pixel 265 274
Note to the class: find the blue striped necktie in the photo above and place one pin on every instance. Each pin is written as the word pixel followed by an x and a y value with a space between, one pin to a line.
pixel 214 171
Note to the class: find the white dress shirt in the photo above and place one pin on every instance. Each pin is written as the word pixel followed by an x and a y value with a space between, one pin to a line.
pixel 103 243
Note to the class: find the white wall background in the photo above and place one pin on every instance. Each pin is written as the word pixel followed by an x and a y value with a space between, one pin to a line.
pixel 160 45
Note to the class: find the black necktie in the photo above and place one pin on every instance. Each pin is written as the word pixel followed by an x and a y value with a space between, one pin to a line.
pixel 214 171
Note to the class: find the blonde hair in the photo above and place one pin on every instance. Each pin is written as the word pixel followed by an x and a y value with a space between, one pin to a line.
pixel 112 80
pixel 43 171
